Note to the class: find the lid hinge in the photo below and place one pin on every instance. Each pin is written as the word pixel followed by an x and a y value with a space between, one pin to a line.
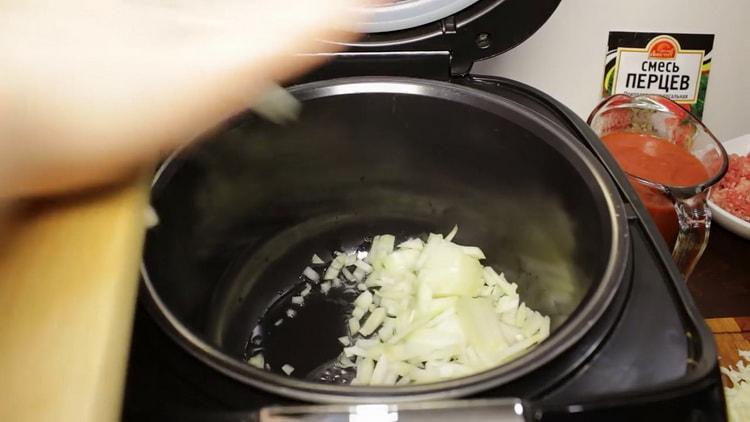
pixel 457 67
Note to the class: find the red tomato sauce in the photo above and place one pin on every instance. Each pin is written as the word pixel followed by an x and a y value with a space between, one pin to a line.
pixel 658 160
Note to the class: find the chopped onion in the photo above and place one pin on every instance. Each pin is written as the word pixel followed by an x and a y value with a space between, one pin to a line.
pixel 449 237
pixel 257 361
pixel 288 369
pixel 362 265
pixel 348 275
pixel 345 362
pixel 331 273
pixel 363 300
pixel 359 274
pixel 311 274
pixel 358 312
pixel 354 351
pixel 325 287
pixel 426 311
pixel 336 265
pixel 381 247
pixel 435 313
pixel 414 243
pixel 278 322
pixel 373 322
pixel 380 372
pixel 350 260
pixel 386 331
pixel 353 325
pixel 277 105
pixel 473 252
pixel 364 372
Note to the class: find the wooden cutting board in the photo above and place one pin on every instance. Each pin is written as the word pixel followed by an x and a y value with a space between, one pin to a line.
pixel 68 283
pixel 731 334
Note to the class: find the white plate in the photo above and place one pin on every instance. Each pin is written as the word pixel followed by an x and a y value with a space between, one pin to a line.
pixel 736 225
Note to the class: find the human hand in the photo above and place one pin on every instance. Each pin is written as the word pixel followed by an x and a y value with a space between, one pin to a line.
pixel 93 89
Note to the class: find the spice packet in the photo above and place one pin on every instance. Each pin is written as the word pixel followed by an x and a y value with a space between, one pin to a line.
pixel 673 65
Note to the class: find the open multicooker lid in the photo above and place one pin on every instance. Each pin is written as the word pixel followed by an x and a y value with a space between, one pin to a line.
pixel 464 30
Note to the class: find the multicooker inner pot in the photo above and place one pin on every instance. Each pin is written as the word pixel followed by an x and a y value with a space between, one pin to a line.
pixel 526 180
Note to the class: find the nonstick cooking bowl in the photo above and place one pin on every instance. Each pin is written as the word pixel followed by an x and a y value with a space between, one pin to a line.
pixel 242 213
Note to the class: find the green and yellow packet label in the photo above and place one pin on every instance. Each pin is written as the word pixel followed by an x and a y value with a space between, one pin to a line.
pixel 673 65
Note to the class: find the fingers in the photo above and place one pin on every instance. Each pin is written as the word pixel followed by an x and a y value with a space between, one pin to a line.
pixel 106 90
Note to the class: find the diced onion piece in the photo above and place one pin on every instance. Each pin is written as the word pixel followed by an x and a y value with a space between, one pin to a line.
pixel 257 361
pixel 277 105
pixel 452 234
pixel 507 304
pixel 353 325
pixel 386 331
pixel 291 313
pixel 363 300
pixel 287 369
pixel 345 362
pixel 473 252
pixel 364 372
pixel 381 246
pixel 278 322
pixel 414 243
pixel 359 275
pixel 492 278
pixel 362 265
pixel 350 260
pixel 373 322
pixel 345 340
pixel 331 273
pixel 362 287
pixel 335 267
pixel 358 312
pixel 448 271
pixel 367 343
pixel 311 274
pixel 325 287
pixel 380 372
pixel 402 261
pixel 317 260
pixel 347 274
pixel 298 300
pixel 306 290
pixel 354 351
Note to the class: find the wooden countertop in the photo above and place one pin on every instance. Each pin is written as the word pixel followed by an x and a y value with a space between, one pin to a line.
pixel 720 283
pixel 720 286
